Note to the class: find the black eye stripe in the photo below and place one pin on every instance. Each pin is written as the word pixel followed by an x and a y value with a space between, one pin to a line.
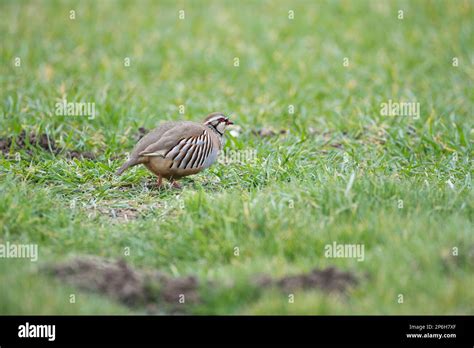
pixel 217 119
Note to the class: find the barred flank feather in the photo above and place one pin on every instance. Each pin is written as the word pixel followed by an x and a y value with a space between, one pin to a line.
pixel 191 153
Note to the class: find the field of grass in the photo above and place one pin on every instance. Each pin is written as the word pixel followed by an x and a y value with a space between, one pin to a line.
pixel 399 185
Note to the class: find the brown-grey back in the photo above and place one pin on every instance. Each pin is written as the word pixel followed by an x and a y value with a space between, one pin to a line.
pixel 172 136
pixel 153 136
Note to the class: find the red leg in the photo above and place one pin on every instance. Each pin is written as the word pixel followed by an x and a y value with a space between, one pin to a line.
pixel 175 184
pixel 159 182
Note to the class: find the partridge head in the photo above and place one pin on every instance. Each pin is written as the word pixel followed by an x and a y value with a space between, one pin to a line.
pixel 178 149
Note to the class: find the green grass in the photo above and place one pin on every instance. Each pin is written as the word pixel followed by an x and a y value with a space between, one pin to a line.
pixel 296 197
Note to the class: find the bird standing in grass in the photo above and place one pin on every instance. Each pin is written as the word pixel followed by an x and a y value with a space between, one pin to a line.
pixel 178 149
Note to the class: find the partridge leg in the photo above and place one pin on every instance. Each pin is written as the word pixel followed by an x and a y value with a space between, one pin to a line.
pixel 175 184
pixel 159 182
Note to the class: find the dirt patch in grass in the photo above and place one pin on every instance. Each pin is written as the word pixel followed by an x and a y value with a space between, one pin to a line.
pixel 81 155
pixel 329 280
pixel 22 141
pixel 132 287
pixel 269 132
pixel 375 135
pixel 121 214
pixel 126 210
pixel 159 293
pixel 461 256
pixel 27 141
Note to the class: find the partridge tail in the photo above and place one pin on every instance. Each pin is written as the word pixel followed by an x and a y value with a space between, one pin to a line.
pixel 130 163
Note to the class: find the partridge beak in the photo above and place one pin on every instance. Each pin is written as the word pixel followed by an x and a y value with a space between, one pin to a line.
pixel 228 122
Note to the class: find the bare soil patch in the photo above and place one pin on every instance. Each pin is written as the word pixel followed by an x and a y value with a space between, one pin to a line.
pixel 161 293
pixel 330 279
pixel 28 141
pixel 127 285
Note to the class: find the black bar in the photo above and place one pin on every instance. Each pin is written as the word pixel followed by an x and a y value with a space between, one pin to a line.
pixel 287 330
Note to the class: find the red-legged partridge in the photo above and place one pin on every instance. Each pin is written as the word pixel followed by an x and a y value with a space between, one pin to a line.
pixel 177 149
